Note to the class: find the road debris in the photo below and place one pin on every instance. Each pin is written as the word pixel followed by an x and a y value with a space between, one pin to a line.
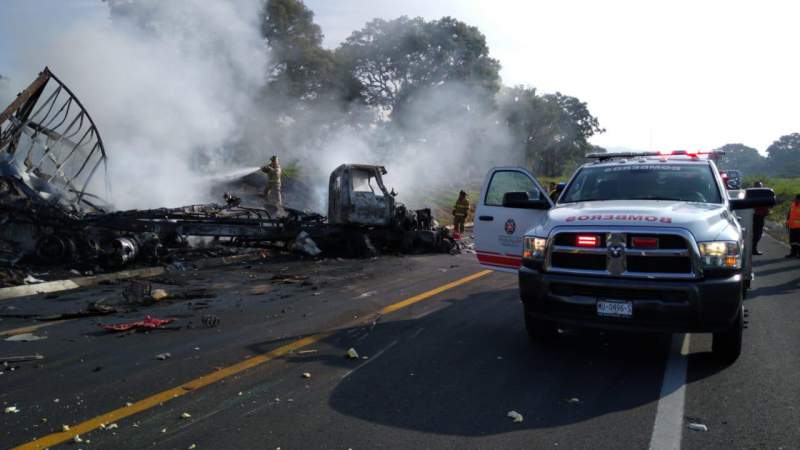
pixel 574 401
pixel 352 353
pixel 77 439
pixel 64 427
pixel 25 337
pixel 11 410
pixel 163 356
pixel 306 375
pixel 288 279
pixel 112 426
pixel 210 320
pixel 515 416
pixel 30 279
pixel 159 294
pixel 186 416
pixel 304 244
pixel 694 426
pixel 22 358
pixel 306 352
pixel 148 323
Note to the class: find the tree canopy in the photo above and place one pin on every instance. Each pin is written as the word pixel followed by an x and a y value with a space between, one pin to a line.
pixel 393 59
pixel 552 131
pixel 784 155
pixel 300 68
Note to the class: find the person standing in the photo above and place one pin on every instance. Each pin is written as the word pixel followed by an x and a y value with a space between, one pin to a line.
pixel 272 192
pixel 460 212
pixel 793 223
pixel 759 216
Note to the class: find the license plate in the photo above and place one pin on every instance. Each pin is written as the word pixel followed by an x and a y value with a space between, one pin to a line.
pixel 614 308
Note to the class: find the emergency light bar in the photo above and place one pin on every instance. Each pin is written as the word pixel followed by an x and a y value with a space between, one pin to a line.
pixel 662 153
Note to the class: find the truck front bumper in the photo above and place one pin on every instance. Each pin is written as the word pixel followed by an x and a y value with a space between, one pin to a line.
pixel 698 306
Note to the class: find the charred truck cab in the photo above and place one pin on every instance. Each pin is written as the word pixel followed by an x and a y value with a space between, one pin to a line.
pixel 365 216
pixel 637 241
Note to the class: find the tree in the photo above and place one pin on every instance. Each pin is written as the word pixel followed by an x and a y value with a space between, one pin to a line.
pixel 300 68
pixel 553 130
pixel 784 156
pixel 393 59
pixel 743 158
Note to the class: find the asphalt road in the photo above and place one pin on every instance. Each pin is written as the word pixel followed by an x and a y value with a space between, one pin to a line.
pixel 445 362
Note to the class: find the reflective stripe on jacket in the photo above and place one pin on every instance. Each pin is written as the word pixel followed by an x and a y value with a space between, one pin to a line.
pixel 461 209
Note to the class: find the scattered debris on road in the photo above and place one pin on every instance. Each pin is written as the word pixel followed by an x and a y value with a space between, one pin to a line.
pixel 163 356
pixel 306 375
pixel 159 294
pixel 11 410
pixel 210 320
pixel 304 244
pixel 25 337
pixel 148 323
pixel 515 416
pixel 694 426
pixel 186 416
pixel 352 353
pixel 30 279
pixel 22 358
pixel 574 401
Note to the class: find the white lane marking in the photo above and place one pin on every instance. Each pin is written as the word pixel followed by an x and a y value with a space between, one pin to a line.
pixel 668 427
pixel 371 358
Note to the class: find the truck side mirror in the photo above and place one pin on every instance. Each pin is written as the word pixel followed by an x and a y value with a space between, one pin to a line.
pixel 522 200
pixel 754 198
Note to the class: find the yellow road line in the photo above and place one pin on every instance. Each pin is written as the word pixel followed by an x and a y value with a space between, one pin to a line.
pixel 31 328
pixel 205 380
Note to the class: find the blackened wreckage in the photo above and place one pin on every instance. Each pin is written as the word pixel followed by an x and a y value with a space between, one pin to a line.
pixel 53 163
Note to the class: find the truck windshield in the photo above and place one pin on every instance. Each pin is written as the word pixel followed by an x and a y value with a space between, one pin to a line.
pixel 679 182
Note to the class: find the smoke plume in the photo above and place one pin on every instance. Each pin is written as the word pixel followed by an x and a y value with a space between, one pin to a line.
pixel 177 89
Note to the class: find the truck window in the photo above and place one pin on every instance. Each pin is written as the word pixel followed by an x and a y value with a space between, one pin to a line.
pixel 679 182
pixel 364 181
pixel 508 181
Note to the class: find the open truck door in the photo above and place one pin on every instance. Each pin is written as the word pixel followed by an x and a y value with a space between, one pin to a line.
pixel 512 201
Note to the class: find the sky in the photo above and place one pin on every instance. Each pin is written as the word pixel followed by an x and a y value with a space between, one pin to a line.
pixel 658 74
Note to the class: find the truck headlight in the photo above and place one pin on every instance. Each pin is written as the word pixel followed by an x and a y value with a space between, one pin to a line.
pixel 533 247
pixel 720 255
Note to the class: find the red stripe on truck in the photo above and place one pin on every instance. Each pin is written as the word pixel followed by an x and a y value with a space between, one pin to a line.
pixel 503 261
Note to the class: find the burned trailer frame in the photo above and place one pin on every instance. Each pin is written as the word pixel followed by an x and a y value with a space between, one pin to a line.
pixel 50 153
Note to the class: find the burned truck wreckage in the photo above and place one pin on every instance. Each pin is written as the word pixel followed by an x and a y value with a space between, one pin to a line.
pixel 53 163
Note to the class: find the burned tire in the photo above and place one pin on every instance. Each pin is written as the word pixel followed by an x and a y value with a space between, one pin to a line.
pixel 540 329
pixel 727 345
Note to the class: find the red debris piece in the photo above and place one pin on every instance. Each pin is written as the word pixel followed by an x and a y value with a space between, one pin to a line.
pixel 148 323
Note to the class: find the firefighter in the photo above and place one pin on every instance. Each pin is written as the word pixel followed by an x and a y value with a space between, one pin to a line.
pixel 460 212
pixel 759 216
pixel 793 222
pixel 272 192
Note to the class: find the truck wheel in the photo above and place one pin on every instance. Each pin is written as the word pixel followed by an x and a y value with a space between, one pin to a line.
pixel 727 345
pixel 539 329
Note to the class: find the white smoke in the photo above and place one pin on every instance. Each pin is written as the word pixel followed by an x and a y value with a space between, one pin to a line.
pixel 168 84
pixel 176 89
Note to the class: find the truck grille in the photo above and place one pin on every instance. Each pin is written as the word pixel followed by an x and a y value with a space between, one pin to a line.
pixel 622 254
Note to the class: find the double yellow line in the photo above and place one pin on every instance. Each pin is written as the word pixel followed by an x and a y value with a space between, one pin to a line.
pixel 210 378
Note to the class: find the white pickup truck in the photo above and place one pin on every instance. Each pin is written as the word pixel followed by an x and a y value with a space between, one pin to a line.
pixel 636 241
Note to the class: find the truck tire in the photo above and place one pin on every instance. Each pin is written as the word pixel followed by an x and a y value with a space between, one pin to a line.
pixel 539 329
pixel 727 345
